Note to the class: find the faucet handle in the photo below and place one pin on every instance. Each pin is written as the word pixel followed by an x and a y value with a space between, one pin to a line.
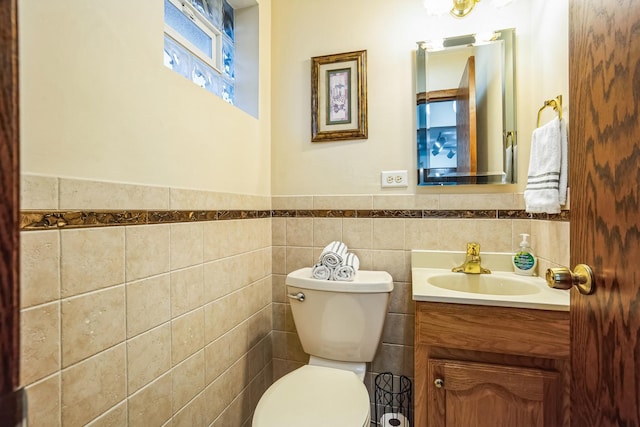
pixel 473 249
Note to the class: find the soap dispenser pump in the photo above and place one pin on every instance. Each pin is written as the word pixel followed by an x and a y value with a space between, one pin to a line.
pixel 524 262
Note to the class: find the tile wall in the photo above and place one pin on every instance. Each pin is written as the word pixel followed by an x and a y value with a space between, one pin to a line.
pixel 382 231
pixel 151 306
pixel 142 325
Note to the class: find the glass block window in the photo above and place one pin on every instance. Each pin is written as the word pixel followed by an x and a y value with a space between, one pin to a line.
pixel 199 44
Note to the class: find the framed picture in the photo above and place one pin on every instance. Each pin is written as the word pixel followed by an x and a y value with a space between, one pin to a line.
pixel 339 96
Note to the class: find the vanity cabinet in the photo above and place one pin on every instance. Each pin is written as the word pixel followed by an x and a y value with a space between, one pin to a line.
pixel 490 366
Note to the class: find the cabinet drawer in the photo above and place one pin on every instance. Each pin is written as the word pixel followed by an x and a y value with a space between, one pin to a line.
pixel 517 331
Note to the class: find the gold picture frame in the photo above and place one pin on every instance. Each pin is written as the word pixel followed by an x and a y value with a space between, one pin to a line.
pixel 339 96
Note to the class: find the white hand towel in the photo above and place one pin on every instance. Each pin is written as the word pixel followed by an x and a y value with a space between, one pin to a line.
pixel 321 272
pixel 564 163
pixel 547 169
pixel 333 254
pixel 346 272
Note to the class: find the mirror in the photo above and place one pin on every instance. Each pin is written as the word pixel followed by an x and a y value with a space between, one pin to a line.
pixel 465 106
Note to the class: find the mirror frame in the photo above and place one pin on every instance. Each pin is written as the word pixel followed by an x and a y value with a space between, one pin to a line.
pixel 509 175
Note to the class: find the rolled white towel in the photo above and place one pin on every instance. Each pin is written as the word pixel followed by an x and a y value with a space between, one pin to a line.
pixel 321 272
pixel 346 272
pixel 333 254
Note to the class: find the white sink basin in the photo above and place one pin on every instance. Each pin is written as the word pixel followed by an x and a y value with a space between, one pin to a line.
pixel 489 284
pixel 432 280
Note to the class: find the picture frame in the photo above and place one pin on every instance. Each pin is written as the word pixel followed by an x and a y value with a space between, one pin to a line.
pixel 339 96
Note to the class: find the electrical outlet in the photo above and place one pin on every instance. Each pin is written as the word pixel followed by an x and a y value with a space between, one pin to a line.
pixel 394 178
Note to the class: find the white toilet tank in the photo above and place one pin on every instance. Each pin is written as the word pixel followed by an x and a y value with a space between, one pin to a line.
pixel 339 320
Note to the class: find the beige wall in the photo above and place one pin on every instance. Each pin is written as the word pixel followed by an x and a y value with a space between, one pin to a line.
pixel 388 31
pixel 96 102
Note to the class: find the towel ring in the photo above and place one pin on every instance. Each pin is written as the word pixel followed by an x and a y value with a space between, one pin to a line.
pixel 555 103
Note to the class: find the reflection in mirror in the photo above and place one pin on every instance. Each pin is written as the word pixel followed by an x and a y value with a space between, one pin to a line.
pixel 465 105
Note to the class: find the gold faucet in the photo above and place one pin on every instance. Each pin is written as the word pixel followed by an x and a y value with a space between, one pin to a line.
pixel 471 263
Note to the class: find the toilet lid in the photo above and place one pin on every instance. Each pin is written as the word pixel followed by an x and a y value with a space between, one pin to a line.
pixel 314 396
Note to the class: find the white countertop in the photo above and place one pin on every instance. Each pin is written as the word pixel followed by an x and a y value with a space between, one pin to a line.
pixel 425 264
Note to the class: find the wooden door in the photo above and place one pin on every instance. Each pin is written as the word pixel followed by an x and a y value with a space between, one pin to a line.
pixel 10 399
pixel 483 395
pixel 466 123
pixel 604 76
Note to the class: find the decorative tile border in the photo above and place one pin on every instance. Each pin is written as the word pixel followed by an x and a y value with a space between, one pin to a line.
pixel 45 220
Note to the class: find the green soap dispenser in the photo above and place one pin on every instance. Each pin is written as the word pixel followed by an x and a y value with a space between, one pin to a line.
pixel 524 262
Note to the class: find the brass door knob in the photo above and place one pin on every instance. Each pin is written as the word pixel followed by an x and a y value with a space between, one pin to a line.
pixel 439 382
pixel 581 277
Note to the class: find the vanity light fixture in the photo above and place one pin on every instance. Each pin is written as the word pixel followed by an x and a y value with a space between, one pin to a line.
pixel 459 8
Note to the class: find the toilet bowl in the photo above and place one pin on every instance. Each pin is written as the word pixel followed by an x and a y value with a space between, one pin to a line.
pixel 314 396
pixel 339 325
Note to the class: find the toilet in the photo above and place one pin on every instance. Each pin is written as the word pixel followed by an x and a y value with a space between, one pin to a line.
pixel 340 326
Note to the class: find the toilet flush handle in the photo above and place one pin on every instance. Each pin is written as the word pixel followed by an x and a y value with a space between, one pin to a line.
pixel 299 296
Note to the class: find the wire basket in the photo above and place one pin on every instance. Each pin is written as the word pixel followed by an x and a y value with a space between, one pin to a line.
pixel 393 406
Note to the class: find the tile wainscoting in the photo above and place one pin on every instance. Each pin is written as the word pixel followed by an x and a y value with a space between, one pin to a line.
pixel 159 305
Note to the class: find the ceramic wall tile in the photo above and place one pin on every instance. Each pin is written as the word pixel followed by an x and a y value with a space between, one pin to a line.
pixel 148 357
pixel 94 385
pixel 326 230
pixel 92 323
pixel 421 234
pixel 357 232
pixel 39 342
pixel 292 202
pixel 477 201
pixel 147 250
pixel 38 192
pixel 298 257
pixel 187 199
pixel 187 289
pixel 217 357
pixel 395 262
pixel 343 202
pixel 278 231
pixel 192 414
pixel 116 416
pixel 187 380
pixel 187 335
pixel 43 398
pixel 148 304
pixel 398 329
pixel 388 233
pixel 454 234
pixel 39 267
pixel 219 317
pixel 186 245
pixel 86 194
pixel 550 240
pixel 408 201
pixel 151 405
pixel 91 259
pixel 299 231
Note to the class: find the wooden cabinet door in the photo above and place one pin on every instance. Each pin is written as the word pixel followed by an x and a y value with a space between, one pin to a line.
pixel 467 394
